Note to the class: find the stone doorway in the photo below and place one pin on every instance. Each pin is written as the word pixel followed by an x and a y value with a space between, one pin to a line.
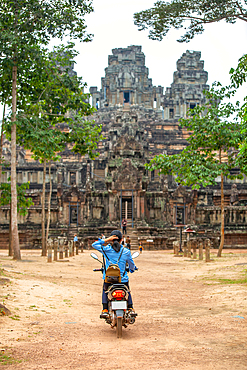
pixel 73 214
pixel 126 97
pixel 180 216
pixel 127 207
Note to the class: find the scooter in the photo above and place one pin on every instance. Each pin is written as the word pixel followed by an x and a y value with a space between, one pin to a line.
pixel 117 295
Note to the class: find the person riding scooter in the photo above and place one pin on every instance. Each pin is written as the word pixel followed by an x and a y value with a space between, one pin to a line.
pixel 115 254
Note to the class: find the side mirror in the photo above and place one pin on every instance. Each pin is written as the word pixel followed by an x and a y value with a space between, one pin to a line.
pixel 94 255
pixel 135 254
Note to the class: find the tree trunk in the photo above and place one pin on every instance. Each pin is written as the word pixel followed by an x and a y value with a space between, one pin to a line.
pixel 43 212
pixel 14 222
pixel 49 206
pixel 10 238
pixel 1 143
pixel 222 233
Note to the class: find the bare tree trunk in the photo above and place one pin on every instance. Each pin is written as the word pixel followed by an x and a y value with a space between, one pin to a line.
pixel 49 206
pixel 10 238
pixel 14 222
pixel 222 232
pixel 1 143
pixel 43 212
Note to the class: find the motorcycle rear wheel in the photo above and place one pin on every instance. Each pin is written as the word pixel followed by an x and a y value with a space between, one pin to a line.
pixel 119 327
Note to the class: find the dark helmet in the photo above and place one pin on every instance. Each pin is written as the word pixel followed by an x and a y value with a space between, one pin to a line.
pixel 118 234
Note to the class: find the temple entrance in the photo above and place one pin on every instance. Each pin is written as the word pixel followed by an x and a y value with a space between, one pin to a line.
pixel 126 207
pixel 126 97
pixel 73 214
pixel 180 216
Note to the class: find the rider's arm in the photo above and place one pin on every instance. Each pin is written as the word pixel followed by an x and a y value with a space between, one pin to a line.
pixel 132 266
pixel 98 244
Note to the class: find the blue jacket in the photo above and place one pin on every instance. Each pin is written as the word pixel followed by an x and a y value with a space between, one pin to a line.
pixel 113 257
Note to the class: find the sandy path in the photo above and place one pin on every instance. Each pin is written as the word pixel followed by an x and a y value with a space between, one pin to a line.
pixel 185 321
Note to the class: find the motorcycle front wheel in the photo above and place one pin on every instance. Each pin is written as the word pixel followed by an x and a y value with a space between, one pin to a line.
pixel 119 327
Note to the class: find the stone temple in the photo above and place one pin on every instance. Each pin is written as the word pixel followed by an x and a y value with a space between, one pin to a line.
pixel 139 120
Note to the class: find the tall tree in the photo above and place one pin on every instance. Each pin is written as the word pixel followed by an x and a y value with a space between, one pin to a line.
pixel 191 15
pixel 23 203
pixel 5 93
pixel 59 99
pixel 212 147
pixel 25 24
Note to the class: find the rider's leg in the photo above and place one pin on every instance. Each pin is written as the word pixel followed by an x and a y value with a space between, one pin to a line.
pixel 130 302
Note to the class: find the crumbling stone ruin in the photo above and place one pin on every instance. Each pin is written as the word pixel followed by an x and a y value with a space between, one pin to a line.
pixel 139 121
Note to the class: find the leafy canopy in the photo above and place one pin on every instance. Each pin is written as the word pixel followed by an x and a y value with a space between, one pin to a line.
pixel 25 27
pixel 54 112
pixel 239 78
pixel 191 15
pixel 23 203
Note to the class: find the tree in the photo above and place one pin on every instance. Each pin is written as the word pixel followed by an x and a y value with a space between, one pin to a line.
pixel 5 93
pixel 212 147
pixel 191 15
pixel 25 25
pixel 60 99
pixel 239 78
pixel 23 203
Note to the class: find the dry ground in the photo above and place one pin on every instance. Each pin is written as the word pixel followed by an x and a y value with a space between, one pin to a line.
pixel 187 317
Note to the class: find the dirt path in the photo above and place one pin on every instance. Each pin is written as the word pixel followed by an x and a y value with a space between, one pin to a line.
pixel 186 318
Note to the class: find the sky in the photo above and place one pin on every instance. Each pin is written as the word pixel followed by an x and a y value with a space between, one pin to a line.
pixel 112 24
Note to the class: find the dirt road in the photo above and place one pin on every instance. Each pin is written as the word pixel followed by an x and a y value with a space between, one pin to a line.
pixel 187 317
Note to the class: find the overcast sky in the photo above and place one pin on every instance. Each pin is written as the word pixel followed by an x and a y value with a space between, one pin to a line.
pixel 221 44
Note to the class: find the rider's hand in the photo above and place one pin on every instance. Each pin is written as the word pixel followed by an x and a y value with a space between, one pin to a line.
pixel 112 237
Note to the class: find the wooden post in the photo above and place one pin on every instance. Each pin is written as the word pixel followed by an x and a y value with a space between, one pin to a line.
pixel 200 249
pixel 55 249
pixel 189 248
pixel 207 250
pixel 176 247
pixel 66 250
pixel 185 248
pixel 49 249
pixel 194 248
pixel 73 248
pixel 61 249
pixel 82 244
pixel 70 248
pixel 77 247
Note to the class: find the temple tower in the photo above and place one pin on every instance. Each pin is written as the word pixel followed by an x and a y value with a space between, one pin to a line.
pixel 126 81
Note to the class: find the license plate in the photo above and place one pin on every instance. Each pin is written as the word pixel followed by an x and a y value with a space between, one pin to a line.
pixel 119 305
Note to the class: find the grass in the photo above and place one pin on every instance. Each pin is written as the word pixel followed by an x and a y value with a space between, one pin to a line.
pixel 5 359
pixel 33 308
pixel 15 317
pixel 220 280
pixel 231 281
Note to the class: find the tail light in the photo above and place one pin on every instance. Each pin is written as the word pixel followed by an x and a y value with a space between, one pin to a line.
pixel 118 294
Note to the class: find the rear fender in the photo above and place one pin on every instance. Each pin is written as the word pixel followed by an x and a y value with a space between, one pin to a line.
pixel 119 313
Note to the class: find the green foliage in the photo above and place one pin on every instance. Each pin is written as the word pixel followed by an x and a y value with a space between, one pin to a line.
pixel 23 203
pixel 6 359
pixel 239 78
pixel 26 27
pixel 191 15
pixel 84 136
pixel 212 145
pixel 57 99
